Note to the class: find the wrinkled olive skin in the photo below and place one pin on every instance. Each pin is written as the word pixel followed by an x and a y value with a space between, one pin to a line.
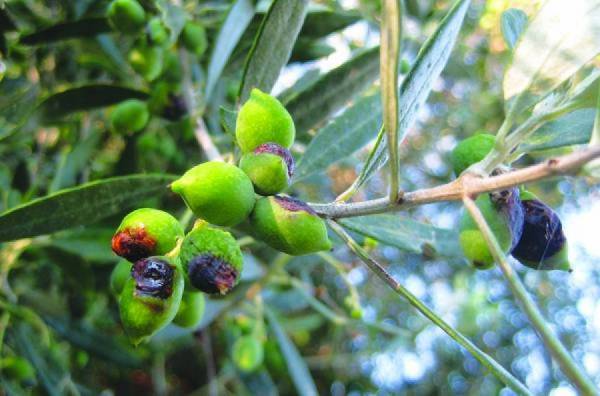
pixel 193 38
pixel 211 259
pixel 146 232
pixel 471 151
pixel 129 116
pixel 247 353
pixel 151 297
pixel 263 119
pixel 126 16
pixel 504 214
pixel 190 310
pixel 270 168
pixel 289 225
pixel 217 192
pixel 543 245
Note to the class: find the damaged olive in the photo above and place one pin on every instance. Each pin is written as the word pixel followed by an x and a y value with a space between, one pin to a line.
pixel 126 16
pixel 211 258
pixel 190 310
pixel 129 116
pixel 151 297
pixel 146 232
pixel 217 192
pixel 263 119
pixel 504 215
pixel 471 151
pixel 543 245
pixel 269 167
pixel 289 225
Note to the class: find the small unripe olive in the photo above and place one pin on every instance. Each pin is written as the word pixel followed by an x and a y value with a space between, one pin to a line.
pixel 193 38
pixel 211 258
pixel 247 353
pixel 191 310
pixel 263 119
pixel 289 225
pixel 217 192
pixel 172 70
pixel 157 32
pixel 147 62
pixel 471 151
pixel 119 276
pixel 270 167
pixel 543 245
pixel 18 369
pixel 131 115
pixel 146 232
pixel 126 16
pixel 151 297
pixel 504 215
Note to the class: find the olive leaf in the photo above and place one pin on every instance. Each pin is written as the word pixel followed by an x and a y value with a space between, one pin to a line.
pixel 558 41
pixel 239 17
pixel 414 91
pixel 513 22
pixel 328 93
pixel 272 45
pixel 86 97
pixel 67 30
pixel 82 205
pixel 297 368
pixel 406 234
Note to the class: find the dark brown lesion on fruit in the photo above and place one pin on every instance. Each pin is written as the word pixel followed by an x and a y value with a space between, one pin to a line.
pixel 543 235
pixel 293 204
pixel 509 203
pixel 212 274
pixel 133 244
pixel 153 277
pixel 274 148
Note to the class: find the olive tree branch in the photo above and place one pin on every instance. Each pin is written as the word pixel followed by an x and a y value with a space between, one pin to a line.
pixel 556 348
pixel 466 185
pixel 495 368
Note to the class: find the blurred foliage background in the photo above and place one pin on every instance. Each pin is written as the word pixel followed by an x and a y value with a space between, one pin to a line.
pixel 56 310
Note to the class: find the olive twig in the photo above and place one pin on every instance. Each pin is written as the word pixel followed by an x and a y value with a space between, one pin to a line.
pixel 495 368
pixel 556 348
pixel 468 184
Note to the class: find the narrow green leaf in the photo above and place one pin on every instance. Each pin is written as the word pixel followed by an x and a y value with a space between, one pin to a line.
pixel 238 19
pixel 174 17
pixel 228 120
pixel 340 138
pixel 391 34
pixel 82 205
pixel 558 41
pixel 331 91
pixel 272 45
pixel 67 30
pixel 320 23
pixel 86 98
pixel 297 368
pixel 513 23
pixel 585 93
pixel 415 88
pixel 406 234
pixel 572 128
pixel 74 162
pixel 88 243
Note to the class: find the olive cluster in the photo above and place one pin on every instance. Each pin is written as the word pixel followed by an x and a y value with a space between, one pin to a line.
pixel 162 261
pixel 523 225
pixel 153 57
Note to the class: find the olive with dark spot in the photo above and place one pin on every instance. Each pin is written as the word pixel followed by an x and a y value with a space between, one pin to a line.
pixel 270 168
pixel 151 297
pixel 543 245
